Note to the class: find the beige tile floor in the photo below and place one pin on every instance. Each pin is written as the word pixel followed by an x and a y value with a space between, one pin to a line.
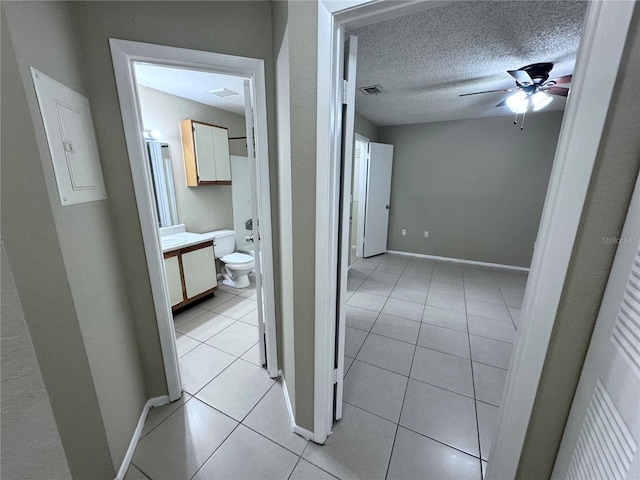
pixel 427 350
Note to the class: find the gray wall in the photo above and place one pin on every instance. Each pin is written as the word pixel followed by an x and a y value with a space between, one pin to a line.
pixel 201 209
pixel 295 51
pixel 41 238
pixel 365 128
pixel 236 28
pixel 31 446
pixel 478 186
pixel 605 210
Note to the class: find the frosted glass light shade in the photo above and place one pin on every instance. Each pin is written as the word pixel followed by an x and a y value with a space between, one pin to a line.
pixel 540 100
pixel 518 102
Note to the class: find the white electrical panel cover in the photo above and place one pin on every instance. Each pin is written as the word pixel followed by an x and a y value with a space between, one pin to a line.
pixel 72 141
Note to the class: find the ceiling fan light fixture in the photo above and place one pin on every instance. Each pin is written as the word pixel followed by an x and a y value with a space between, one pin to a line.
pixel 518 102
pixel 540 100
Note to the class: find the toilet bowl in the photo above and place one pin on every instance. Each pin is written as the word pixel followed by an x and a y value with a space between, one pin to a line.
pixel 235 266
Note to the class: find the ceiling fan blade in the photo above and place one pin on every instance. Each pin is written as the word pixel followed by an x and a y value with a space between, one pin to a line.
pixel 488 91
pixel 521 76
pixel 562 80
pixel 561 91
pixel 501 104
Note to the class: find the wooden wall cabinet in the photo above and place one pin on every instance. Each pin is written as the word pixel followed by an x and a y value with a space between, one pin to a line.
pixel 191 273
pixel 206 153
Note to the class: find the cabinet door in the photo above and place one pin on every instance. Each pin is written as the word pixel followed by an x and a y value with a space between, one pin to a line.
pixel 199 267
pixel 221 153
pixel 174 281
pixel 205 152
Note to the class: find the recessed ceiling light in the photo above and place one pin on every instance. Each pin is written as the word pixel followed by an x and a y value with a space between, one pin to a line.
pixel 222 92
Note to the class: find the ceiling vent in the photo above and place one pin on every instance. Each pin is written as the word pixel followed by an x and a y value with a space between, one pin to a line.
pixel 222 92
pixel 372 90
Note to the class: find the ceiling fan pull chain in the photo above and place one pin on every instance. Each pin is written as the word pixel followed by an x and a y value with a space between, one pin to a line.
pixel 515 120
pixel 522 124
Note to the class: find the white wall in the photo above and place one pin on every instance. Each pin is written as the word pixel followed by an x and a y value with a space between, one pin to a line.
pixel 201 209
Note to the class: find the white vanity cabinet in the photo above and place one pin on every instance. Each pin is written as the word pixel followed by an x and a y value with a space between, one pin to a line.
pixel 191 273
pixel 205 149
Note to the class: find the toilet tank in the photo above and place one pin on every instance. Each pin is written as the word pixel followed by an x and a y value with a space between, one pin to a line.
pixel 224 241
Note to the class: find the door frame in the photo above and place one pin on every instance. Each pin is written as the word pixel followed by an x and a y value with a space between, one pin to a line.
pixel 124 53
pixel 362 195
pixel 601 48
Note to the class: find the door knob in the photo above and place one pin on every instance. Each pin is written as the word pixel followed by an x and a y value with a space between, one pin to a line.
pixel 387 207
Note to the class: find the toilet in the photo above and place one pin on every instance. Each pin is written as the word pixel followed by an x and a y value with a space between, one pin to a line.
pixel 236 266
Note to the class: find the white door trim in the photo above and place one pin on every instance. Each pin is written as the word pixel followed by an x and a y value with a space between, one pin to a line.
pixel 362 193
pixel 601 49
pixel 124 53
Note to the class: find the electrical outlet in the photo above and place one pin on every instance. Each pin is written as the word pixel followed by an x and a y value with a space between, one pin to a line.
pixel 404 232
pixel 426 234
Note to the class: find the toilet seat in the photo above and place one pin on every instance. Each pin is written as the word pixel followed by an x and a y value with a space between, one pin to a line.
pixel 237 259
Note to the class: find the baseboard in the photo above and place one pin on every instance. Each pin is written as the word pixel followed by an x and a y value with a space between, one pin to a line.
pixel 459 260
pixel 126 461
pixel 303 432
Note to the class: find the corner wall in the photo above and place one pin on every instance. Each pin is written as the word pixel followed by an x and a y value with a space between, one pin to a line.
pixel 478 186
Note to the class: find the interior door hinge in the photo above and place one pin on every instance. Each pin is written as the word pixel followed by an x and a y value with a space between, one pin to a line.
pixel 345 84
pixel 335 375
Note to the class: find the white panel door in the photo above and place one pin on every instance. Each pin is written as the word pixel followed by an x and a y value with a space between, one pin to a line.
pixel 199 268
pixel 174 280
pixel 603 431
pixel 348 140
pixel 378 197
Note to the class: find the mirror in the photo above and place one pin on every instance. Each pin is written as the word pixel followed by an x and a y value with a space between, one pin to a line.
pixel 163 187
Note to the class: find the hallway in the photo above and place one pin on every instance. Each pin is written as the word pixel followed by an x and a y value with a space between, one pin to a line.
pixel 427 348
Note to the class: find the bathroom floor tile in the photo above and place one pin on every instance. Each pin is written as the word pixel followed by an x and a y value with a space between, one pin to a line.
pixel 359 447
pixel 217 299
pixel 308 471
pixel 417 457
pixel 448 277
pixel 367 300
pixel 185 316
pixel 418 271
pixel 360 318
pixel 489 294
pixel 184 344
pixel 395 268
pixel 442 415
pixel 387 353
pixel 443 370
pixel 237 390
pixel 397 328
pixel 384 277
pixel 404 309
pixel 236 308
pixel 375 390
pixel 236 339
pixel 442 317
pixel 489 383
pixel 253 355
pixel 205 326
pixel 444 340
pixel 247 455
pixel 251 318
pixel 359 272
pixel 487 426
pixel 271 419
pixel 161 454
pixel 491 352
pixel 375 287
pixel 201 365
pixel 353 283
pixel 448 302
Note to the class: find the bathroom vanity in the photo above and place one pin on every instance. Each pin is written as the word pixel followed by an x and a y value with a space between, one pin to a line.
pixel 190 265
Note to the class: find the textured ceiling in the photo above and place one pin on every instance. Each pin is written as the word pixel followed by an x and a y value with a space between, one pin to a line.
pixel 425 60
pixel 193 85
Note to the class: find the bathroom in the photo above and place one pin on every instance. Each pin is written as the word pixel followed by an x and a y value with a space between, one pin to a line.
pixel 214 300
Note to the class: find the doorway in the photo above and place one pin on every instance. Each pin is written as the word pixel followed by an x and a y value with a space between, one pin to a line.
pixel 551 259
pixel 130 60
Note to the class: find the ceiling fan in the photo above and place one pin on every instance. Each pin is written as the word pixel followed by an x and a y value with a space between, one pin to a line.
pixel 533 87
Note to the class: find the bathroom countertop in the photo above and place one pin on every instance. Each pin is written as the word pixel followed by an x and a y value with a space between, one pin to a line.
pixel 189 239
